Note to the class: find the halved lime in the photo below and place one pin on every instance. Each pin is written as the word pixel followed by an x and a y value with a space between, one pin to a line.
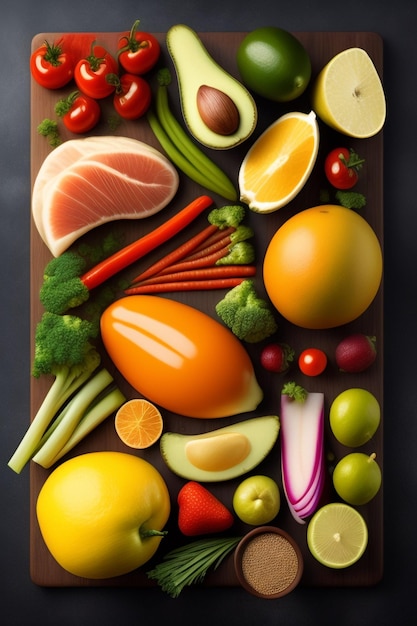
pixel 337 535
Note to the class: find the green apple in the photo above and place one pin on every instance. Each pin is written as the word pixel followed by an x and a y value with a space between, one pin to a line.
pixel 357 478
pixel 354 417
pixel 257 500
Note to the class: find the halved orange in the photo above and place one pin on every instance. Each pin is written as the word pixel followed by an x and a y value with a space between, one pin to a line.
pixel 279 163
pixel 138 423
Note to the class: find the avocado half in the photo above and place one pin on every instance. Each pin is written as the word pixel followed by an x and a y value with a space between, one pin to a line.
pixel 221 454
pixel 196 68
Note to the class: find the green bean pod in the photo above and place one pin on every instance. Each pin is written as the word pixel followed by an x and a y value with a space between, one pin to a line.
pixel 174 154
pixel 221 183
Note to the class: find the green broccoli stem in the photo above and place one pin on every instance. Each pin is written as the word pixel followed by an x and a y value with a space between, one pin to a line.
pixel 112 399
pixel 65 384
pixel 55 438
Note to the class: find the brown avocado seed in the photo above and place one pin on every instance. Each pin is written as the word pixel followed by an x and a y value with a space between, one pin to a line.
pixel 217 110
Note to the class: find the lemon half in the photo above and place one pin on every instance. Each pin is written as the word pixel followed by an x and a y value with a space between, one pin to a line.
pixel 348 96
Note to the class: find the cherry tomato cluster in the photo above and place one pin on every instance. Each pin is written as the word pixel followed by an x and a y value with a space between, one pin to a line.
pixel 97 76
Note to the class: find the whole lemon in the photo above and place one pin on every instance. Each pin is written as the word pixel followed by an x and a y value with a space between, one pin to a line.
pixel 101 514
pixel 274 64
pixel 323 267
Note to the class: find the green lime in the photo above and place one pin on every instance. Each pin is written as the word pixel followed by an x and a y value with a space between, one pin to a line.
pixel 354 417
pixel 357 478
pixel 274 64
pixel 337 535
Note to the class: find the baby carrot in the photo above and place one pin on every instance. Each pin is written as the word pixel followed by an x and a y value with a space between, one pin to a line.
pixel 136 250
pixel 224 271
pixel 178 254
pixel 204 261
pixel 193 285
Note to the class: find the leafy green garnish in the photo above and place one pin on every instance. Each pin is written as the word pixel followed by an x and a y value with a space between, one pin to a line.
pixel 294 391
pixel 49 129
pixel 189 564
pixel 351 199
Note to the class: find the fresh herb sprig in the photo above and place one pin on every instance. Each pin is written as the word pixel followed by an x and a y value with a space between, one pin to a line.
pixel 188 564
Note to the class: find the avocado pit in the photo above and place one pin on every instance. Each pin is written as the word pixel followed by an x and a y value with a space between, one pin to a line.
pixel 217 110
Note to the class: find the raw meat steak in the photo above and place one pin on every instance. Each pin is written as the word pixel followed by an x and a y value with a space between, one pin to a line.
pixel 86 182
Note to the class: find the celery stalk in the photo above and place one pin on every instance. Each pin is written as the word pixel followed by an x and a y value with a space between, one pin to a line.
pixel 73 414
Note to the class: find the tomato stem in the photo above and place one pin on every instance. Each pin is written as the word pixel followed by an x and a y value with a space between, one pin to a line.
pixel 132 44
pixel 53 52
pixel 353 162
pixel 94 61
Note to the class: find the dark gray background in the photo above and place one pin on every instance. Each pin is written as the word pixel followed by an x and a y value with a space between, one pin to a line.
pixel 393 600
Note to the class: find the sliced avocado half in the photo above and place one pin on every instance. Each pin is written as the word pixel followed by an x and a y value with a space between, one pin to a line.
pixel 221 454
pixel 196 68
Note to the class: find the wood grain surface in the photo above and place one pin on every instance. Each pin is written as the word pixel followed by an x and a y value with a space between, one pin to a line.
pixel 321 46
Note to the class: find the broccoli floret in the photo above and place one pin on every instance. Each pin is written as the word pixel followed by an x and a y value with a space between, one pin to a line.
pixel 242 253
pixel 62 288
pixel 246 314
pixel 242 233
pixel 64 350
pixel 351 199
pixel 61 340
pixel 226 216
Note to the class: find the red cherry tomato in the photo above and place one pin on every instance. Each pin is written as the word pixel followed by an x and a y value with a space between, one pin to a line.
pixel 79 112
pixel 51 67
pixel 138 51
pixel 90 73
pixel 312 362
pixel 341 168
pixel 133 96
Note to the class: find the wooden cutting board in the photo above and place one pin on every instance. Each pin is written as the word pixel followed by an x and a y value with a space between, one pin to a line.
pixel 321 46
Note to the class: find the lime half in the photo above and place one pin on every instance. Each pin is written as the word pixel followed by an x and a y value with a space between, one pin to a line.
pixel 337 535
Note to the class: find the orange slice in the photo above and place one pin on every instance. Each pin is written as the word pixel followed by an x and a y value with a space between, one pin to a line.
pixel 138 423
pixel 279 163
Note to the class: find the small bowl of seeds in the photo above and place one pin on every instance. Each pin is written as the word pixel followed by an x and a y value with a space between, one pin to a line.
pixel 268 562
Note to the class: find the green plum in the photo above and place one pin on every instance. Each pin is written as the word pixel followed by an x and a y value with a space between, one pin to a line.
pixel 257 500
pixel 354 417
pixel 357 478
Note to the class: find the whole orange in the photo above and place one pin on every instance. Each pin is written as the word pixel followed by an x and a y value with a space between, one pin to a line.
pixel 323 267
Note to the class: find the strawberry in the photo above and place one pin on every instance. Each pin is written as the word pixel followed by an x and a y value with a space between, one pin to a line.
pixel 276 357
pixel 200 512
pixel 356 353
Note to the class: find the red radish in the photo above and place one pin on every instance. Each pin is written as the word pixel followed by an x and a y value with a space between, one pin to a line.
pixel 302 449
pixel 277 357
pixel 356 353
pixel 200 512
